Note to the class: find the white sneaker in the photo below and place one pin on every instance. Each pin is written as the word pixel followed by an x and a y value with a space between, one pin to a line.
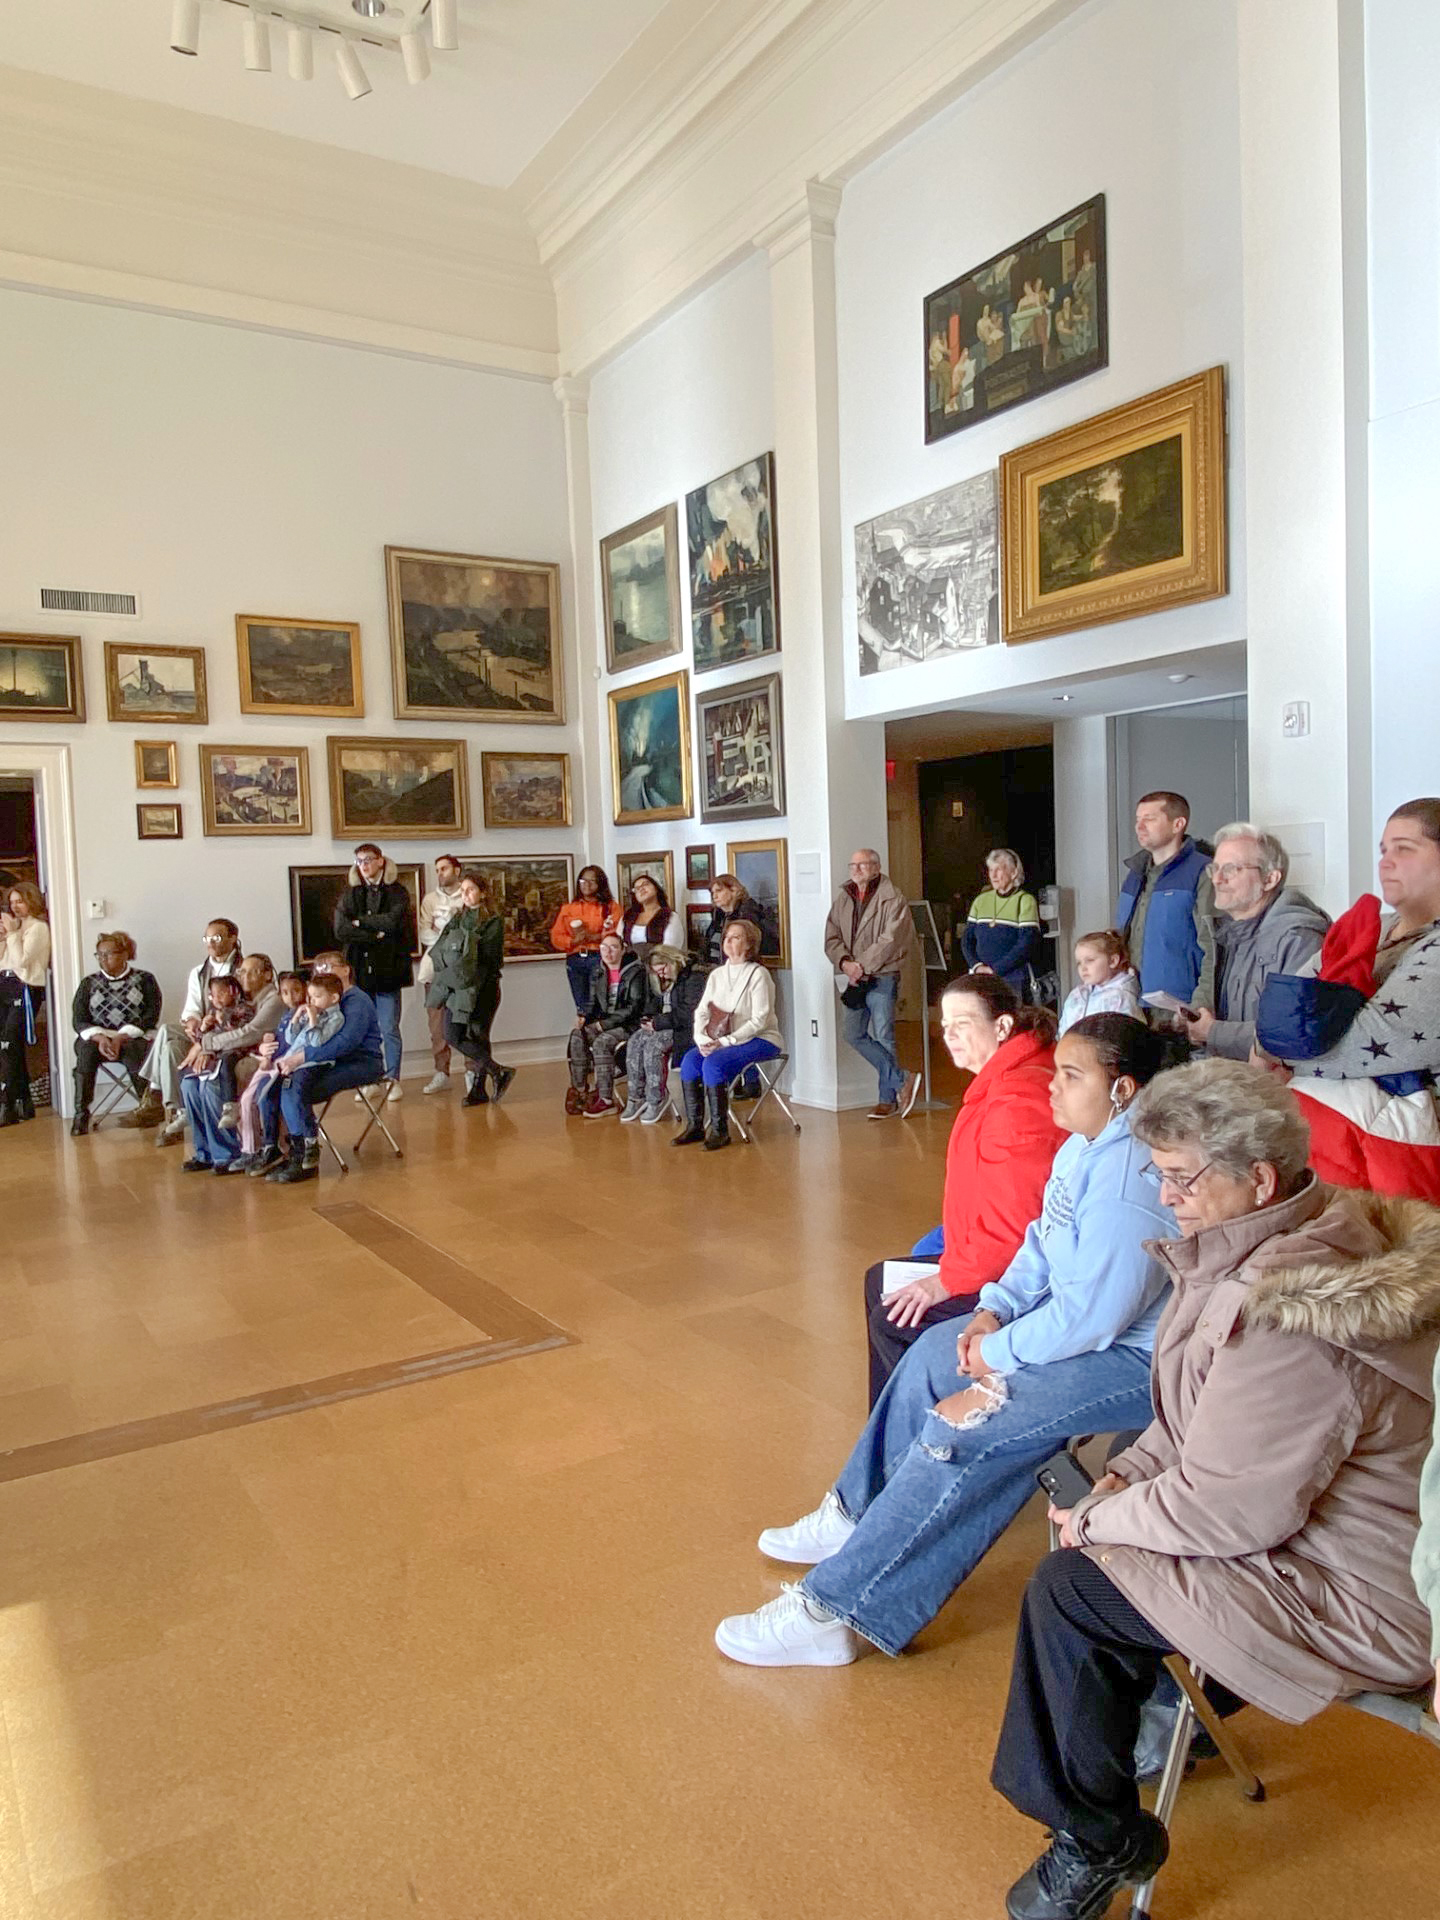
pixel 397 1092
pixel 172 1131
pixel 791 1631
pixel 437 1083
pixel 230 1115
pixel 652 1116
pixel 812 1539
pixel 631 1111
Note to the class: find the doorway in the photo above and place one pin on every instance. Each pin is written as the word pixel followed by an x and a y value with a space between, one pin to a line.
pixel 969 805
pixel 41 777
pixel 1200 750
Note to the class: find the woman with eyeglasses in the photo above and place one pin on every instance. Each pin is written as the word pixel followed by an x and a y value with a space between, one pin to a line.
pixel 1060 1346
pixel 1262 1526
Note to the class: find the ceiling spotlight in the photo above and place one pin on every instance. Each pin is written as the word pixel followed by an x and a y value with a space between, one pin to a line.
pixel 1063 698
pixel 416 57
pixel 1179 679
pixel 185 27
pixel 352 73
pixel 445 25
pixel 368 9
pixel 300 46
pixel 257 41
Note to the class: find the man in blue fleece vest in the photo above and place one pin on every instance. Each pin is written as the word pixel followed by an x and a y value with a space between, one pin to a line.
pixel 1167 903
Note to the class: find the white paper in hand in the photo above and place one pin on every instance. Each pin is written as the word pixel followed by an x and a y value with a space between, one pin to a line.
pixel 896 1274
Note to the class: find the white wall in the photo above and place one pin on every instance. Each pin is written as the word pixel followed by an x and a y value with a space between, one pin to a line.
pixel 218 471
pixel 1135 98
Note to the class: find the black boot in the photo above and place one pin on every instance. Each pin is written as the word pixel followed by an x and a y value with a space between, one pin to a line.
pixel 501 1076
pixel 24 1105
pixel 478 1096
pixel 81 1122
pixel 8 1116
pixel 717 1117
pixel 693 1094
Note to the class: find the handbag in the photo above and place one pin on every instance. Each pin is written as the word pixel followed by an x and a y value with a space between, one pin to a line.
pixel 718 1022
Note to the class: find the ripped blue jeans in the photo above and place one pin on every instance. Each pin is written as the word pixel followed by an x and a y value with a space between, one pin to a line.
pixel 930 1501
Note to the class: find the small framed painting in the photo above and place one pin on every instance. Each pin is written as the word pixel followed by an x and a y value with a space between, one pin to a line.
pixel 640 576
pixel 255 790
pixel 156 683
pixel 413 789
pixel 697 927
pixel 741 752
pixel 40 678
pixel 527 893
pixel 314 894
pixel 474 639
pixel 629 867
pixel 760 867
pixel 157 763
pixel 525 789
pixel 156 820
pixel 699 867
pixel 730 543
pixel 299 666
pixel 650 750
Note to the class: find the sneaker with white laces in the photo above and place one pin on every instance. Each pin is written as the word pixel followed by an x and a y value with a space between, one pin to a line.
pixel 438 1082
pixel 789 1631
pixel 811 1539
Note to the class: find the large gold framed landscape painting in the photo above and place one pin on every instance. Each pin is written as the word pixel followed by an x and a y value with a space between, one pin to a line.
pixel 1118 516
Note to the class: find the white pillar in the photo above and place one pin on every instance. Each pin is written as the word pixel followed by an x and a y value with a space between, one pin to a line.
pixel 834 769
pixel 588 786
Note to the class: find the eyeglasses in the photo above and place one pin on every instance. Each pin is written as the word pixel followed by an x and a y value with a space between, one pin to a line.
pixel 1232 867
pixel 863 866
pixel 1182 1182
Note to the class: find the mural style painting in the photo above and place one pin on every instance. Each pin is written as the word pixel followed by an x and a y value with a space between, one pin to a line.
pixel 927 577
pixel 730 534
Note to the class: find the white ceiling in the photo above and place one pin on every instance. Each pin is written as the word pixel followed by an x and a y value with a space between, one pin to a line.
pixel 522 69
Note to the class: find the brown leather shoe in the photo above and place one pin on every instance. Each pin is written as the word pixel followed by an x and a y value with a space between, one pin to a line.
pixel 149 1113
pixel 909 1093
pixel 886 1110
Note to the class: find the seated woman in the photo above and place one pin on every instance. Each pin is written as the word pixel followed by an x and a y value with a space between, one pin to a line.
pixel 996 1165
pixel 467 959
pixel 650 920
pixel 226 1047
pixel 617 1000
pixel 735 1026
pixel 667 1026
pixel 1263 1524
pixel 350 1058
pixel 115 1011
pixel 1061 1346
pixel 260 1101
pixel 24 963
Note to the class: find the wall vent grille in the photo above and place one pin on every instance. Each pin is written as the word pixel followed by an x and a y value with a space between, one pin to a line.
pixel 125 606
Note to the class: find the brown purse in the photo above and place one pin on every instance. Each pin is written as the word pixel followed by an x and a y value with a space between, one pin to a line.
pixel 718 1023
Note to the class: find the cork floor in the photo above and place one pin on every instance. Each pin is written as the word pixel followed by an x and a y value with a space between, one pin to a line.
pixel 440 1642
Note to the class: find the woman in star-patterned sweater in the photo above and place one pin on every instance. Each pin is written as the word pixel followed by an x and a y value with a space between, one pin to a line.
pixel 114 1012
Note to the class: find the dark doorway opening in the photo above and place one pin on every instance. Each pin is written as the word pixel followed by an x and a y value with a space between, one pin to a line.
pixel 971 804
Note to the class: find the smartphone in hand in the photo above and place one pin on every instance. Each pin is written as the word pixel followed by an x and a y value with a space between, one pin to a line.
pixel 1065 1480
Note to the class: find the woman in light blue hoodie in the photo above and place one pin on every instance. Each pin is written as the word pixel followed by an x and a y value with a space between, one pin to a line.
pixel 1060 1346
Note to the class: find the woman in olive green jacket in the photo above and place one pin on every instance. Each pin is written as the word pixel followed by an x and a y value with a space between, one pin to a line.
pixel 467 959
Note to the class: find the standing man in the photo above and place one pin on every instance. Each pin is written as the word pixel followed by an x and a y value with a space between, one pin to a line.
pixel 1166 903
pixel 1263 927
pixel 373 928
pixel 868 938
pixel 437 910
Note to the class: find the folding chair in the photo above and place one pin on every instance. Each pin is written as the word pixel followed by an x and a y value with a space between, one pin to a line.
pixel 112 1090
pixel 768 1072
pixel 374 1105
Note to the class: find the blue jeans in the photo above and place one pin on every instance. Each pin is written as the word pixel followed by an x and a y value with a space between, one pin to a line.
pixel 870 1030
pixel 387 1009
pixel 725 1064
pixel 580 972
pixel 203 1100
pixel 930 1501
pixel 309 1087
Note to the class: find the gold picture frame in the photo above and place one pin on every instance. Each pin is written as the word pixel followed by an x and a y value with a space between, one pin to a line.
pixel 630 866
pixel 135 690
pixel 762 867
pixel 253 790
pixel 159 820
pixel 517 791
pixel 281 660
pixel 157 763
pixel 650 750
pixel 482 606
pixel 42 677
pixel 634 573
pixel 400 789
pixel 1119 516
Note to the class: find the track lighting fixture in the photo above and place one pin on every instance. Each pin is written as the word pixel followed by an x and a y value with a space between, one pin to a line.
pixel 185 26
pixel 398 26
pixel 257 40
pixel 416 57
pixel 352 74
pixel 445 25
pixel 300 45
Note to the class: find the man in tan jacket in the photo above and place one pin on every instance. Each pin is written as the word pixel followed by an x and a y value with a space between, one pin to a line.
pixel 868 938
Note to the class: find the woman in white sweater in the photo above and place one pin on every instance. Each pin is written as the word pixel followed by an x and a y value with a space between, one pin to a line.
pixel 24 962
pixel 734 1027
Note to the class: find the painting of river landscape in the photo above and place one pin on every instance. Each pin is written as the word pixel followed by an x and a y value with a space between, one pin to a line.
pixel 640 575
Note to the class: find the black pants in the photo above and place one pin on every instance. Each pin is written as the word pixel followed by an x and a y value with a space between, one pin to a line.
pixel 87 1065
pixel 472 1037
pixel 14 1074
pixel 1085 1663
pixel 887 1341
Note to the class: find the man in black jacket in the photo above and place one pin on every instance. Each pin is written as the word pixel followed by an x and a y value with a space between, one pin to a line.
pixel 373 929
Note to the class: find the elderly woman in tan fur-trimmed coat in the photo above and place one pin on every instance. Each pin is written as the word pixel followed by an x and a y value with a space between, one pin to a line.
pixel 1263 1524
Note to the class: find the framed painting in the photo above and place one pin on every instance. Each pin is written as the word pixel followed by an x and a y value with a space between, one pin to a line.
pixel 156 683
pixel 699 867
pixel 414 789
pixel 528 893
pixel 155 820
pixel 650 750
pixel 640 580
pixel 41 678
pixel 761 868
pixel 927 577
pixel 741 752
pixel 525 789
pixel 697 927
pixel 730 538
pixel 299 666
pixel 1118 516
pixel 472 638
pixel 1031 319
pixel 314 894
pixel 630 866
pixel 254 790
pixel 157 763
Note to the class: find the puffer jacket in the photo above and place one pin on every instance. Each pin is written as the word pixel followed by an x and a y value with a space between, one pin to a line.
pixel 1166 914
pixel 618 1008
pixel 1247 952
pixel 678 1019
pixel 1425 1565
pixel 375 930
pixel 1270 1509
pixel 467 958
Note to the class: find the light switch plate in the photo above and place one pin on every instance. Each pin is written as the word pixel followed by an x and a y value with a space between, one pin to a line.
pixel 1295 719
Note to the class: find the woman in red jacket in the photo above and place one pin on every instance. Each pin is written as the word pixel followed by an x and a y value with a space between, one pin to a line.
pixel 996 1165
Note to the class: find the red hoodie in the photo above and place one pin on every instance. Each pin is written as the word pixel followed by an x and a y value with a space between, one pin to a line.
pixel 997 1163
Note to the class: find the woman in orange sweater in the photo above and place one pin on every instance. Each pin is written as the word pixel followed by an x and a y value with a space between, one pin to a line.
pixel 580 926
pixel 996 1165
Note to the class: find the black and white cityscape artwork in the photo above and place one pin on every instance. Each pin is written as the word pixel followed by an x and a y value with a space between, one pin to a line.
pixel 927 577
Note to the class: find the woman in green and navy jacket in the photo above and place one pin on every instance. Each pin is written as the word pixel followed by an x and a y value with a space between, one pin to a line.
pixel 1002 930
pixel 467 959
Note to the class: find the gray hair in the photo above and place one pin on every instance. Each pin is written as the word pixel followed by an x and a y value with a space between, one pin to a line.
pixel 1008 853
pixel 1234 1115
pixel 1276 859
